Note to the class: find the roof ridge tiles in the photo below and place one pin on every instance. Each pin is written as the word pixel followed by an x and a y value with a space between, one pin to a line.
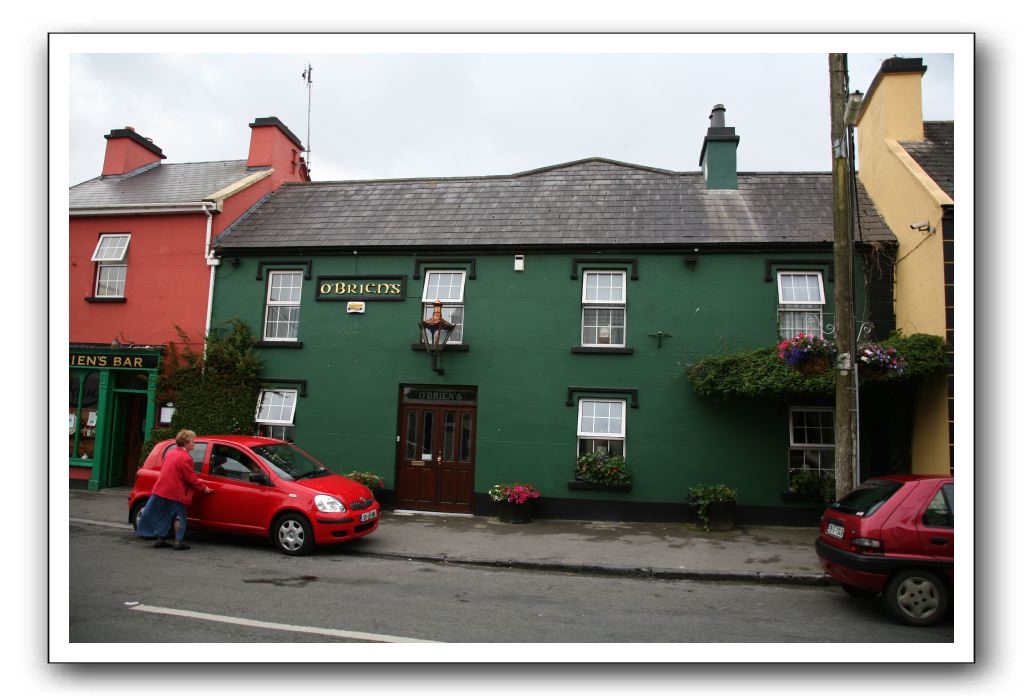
pixel 494 177
pixel 225 161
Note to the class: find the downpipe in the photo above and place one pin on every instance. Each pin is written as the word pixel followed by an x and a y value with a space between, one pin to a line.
pixel 212 262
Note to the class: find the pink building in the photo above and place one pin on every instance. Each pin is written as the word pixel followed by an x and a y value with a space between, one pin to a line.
pixel 141 264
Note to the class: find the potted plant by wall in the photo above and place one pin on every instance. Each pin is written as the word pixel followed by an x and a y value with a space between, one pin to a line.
pixel 714 505
pixel 808 354
pixel 514 501
pixel 875 361
pixel 370 480
pixel 600 470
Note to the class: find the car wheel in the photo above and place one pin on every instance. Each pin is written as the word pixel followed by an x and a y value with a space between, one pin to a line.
pixel 292 535
pixel 916 597
pixel 136 510
pixel 857 592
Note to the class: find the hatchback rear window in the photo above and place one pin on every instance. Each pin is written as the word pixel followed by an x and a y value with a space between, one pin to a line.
pixel 867 498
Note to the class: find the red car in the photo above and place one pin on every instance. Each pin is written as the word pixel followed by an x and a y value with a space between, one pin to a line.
pixel 267 488
pixel 893 536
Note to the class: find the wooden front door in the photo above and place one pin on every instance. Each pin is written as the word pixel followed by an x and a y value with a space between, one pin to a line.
pixel 436 457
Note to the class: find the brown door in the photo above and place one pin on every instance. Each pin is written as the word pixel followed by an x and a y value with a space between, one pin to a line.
pixel 436 457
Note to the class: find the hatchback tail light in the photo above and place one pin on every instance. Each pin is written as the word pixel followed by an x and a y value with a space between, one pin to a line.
pixel 867 545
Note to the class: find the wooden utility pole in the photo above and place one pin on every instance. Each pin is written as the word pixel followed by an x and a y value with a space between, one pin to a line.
pixel 845 328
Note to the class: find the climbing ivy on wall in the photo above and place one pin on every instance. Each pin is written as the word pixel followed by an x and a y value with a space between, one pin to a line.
pixel 760 374
pixel 215 393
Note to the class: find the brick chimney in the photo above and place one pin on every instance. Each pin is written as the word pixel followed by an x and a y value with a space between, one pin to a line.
pixel 717 157
pixel 128 151
pixel 274 145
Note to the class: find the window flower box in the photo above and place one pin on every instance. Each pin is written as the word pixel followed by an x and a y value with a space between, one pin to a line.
pixel 591 486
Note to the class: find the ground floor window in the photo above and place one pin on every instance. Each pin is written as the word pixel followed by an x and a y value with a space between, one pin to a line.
pixel 83 414
pixel 601 426
pixel 275 413
pixel 811 443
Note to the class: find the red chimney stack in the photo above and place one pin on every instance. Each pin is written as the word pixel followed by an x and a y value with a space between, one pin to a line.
pixel 128 151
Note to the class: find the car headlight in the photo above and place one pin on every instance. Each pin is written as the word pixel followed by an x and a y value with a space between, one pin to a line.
pixel 328 503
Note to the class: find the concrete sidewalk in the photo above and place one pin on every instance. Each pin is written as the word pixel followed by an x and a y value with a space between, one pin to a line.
pixel 662 550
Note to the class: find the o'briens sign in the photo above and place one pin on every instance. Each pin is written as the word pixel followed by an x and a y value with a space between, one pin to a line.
pixel 360 288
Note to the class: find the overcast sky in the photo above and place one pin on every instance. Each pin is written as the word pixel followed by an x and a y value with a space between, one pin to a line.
pixel 429 114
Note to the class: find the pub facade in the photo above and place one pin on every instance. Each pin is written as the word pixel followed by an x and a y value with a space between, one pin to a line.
pixel 577 295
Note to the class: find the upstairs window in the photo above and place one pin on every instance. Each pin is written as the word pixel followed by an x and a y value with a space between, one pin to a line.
pixel 603 321
pixel 283 301
pixel 601 426
pixel 800 303
pixel 449 288
pixel 275 413
pixel 111 264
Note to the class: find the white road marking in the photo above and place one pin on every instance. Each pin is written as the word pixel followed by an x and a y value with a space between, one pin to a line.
pixel 333 632
pixel 117 525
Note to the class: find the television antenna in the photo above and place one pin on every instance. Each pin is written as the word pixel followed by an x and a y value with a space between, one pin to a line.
pixel 307 75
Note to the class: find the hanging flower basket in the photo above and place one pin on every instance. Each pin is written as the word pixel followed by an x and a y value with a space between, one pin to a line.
pixel 870 372
pixel 809 354
pixel 875 361
pixel 814 365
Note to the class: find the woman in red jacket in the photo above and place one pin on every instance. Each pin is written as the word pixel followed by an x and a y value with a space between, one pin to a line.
pixel 171 493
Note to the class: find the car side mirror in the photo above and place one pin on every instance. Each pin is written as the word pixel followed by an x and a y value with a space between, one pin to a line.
pixel 260 478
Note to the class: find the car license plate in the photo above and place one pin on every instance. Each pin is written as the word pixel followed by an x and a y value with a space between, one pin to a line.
pixel 836 530
pixel 371 515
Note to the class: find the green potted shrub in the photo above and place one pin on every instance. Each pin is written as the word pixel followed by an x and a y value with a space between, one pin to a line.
pixel 370 480
pixel 514 501
pixel 714 505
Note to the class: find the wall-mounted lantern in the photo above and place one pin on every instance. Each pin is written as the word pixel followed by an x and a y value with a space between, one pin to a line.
pixel 435 333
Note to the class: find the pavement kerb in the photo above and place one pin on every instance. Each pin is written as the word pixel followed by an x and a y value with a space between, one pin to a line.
pixel 806 579
pixel 705 572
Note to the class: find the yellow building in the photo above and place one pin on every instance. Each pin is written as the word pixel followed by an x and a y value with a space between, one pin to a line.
pixel 906 165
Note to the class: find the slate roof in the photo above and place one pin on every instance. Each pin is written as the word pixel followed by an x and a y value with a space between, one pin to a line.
pixel 936 153
pixel 592 202
pixel 162 184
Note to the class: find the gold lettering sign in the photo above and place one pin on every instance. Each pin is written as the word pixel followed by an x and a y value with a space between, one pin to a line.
pixel 360 288
pixel 114 360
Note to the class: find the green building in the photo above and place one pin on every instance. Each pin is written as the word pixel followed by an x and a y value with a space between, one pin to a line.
pixel 579 294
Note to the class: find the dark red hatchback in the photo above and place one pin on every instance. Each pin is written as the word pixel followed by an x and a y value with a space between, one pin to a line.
pixel 894 536
pixel 268 488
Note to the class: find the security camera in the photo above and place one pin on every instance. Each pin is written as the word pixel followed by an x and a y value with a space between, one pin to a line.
pixel 926 225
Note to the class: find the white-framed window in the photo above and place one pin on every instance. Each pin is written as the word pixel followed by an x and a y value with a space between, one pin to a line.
pixel 449 288
pixel 603 316
pixel 283 302
pixel 812 440
pixel 275 413
pixel 800 303
pixel 111 264
pixel 601 426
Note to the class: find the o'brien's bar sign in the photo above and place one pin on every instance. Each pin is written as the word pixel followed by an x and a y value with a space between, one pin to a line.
pixel 360 288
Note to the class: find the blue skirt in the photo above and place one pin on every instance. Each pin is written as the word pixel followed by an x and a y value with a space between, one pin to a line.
pixel 157 517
